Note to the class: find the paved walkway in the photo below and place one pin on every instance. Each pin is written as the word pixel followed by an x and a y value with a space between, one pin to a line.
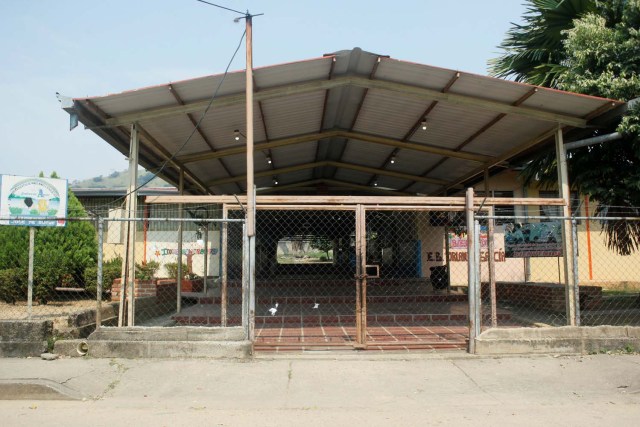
pixel 336 389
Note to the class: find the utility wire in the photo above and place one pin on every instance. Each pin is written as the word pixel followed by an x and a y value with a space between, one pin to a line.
pixel 195 128
pixel 222 7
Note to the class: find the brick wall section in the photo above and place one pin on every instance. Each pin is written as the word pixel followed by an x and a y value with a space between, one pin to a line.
pixel 143 288
pixel 543 296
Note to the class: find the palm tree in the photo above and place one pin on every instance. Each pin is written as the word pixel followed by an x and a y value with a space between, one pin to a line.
pixel 533 51
pixel 561 45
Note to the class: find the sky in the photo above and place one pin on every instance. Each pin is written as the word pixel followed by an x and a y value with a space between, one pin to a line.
pixel 95 47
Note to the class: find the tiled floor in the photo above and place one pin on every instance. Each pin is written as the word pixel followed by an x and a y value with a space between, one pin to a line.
pixel 274 338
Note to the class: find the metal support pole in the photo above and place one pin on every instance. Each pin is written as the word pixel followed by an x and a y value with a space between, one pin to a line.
pixel 567 247
pixel 492 268
pixel 245 282
pixel 252 279
pixel 252 288
pixel 471 269
pixel 99 278
pixel 576 273
pixel 206 257
pixel 180 272
pixel 223 268
pixel 251 201
pixel 132 202
pixel 32 240
pixel 361 278
pixel 478 280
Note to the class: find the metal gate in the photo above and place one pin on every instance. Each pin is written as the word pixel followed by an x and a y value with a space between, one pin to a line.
pixel 357 276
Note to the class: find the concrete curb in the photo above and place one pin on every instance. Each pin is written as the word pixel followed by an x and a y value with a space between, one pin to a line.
pixel 154 349
pixel 560 340
pixel 22 338
pixel 36 389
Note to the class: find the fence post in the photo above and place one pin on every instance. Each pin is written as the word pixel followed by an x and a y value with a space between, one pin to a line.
pixel 32 238
pixel 478 279
pixel 567 250
pixel 576 275
pixel 492 268
pixel 224 259
pixel 99 278
pixel 245 281
pixel 471 268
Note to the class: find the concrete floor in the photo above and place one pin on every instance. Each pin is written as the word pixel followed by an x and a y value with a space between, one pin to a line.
pixel 331 389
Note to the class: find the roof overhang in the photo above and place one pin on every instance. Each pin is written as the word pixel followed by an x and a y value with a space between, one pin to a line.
pixel 348 122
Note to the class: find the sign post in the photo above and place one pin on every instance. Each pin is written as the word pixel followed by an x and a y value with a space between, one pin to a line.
pixel 32 202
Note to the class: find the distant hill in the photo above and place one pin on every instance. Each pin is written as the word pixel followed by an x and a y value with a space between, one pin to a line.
pixel 120 180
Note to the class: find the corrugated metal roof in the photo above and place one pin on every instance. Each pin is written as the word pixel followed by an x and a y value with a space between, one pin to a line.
pixel 342 112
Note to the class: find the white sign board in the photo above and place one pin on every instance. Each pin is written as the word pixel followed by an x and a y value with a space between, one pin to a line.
pixel 34 202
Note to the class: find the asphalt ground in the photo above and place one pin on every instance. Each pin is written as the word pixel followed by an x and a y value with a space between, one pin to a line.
pixel 332 389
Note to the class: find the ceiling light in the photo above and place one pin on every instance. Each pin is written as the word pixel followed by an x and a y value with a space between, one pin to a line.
pixel 236 135
pixel 423 124
pixel 393 159
pixel 269 159
pixel 275 181
pixel 375 183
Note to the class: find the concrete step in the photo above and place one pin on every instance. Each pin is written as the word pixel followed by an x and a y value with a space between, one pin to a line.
pixel 155 349
pixel 159 342
pixel 183 333
pixel 341 299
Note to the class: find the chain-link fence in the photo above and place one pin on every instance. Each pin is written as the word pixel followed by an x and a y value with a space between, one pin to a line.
pixel 609 268
pixel 60 285
pixel 417 284
pixel 532 285
pixel 326 274
pixel 78 271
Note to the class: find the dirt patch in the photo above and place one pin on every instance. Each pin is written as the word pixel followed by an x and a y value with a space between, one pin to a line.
pixel 51 310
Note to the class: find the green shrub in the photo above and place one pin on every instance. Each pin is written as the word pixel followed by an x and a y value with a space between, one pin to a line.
pixel 13 285
pixel 147 271
pixel 111 270
pixel 172 269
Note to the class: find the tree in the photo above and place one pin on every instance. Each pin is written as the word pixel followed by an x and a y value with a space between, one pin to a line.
pixel 598 53
pixel 323 244
pixel 534 50
pixel 61 255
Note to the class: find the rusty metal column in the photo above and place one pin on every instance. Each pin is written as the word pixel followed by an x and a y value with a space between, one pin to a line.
pixel 251 201
pixel 361 281
pixel 471 269
pixel 251 195
pixel 567 242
